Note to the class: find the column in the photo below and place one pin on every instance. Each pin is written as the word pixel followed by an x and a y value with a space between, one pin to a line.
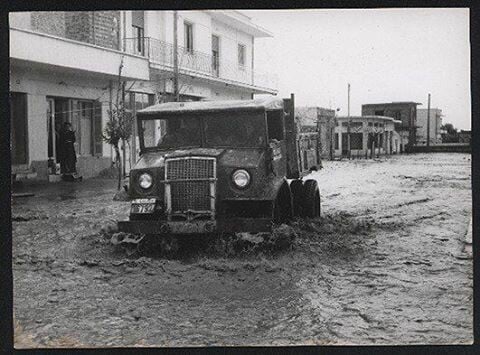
pixel 365 138
pixel 340 138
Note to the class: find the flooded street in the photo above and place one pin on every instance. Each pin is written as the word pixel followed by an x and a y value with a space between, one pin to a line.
pixel 385 264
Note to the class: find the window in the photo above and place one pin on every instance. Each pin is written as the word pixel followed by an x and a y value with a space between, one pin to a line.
pixel 379 112
pixel 139 40
pixel 241 56
pixel 176 132
pixel 336 141
pixel 215 55
pixel 86 128
pixel 356 141
pixel 275 125
pixel 240 129
pixel 135 101
pixel 86 119
pixel 188 32
pixel 138 25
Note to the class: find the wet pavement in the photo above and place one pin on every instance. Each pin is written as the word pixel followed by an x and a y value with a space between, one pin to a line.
pixel 386 264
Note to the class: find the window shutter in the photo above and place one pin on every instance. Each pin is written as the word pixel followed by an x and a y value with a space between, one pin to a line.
pixel 97 128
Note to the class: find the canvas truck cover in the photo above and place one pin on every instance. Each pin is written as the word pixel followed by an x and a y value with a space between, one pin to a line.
pixel 266 104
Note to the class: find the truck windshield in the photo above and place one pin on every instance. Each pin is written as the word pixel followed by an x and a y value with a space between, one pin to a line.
pixel 234 130
pixel 220 130
pixel 172 133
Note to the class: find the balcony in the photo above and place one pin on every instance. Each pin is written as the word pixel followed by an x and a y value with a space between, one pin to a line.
pixel 46 50
pixel 161 55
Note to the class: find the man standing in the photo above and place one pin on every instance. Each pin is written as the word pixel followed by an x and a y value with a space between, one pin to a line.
pixel 69 157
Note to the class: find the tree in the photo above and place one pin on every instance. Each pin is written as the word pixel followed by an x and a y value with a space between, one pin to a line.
pixel 119 126
pixel 451 133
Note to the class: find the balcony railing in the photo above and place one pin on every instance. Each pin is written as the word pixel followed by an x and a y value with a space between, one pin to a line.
pixel 191 61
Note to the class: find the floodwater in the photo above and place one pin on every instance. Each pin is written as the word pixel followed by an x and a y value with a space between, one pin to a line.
pixel 385 264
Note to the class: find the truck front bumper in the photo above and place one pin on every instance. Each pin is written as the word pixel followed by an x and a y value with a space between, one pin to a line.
pixel 231 225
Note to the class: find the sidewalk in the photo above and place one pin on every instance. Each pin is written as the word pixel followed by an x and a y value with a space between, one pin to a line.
pixel 62 188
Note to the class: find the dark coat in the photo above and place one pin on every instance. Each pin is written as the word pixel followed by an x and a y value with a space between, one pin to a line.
pixel 69 158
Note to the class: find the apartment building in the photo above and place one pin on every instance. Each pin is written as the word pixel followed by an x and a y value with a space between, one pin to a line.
pixel 66 66
pixel 435 126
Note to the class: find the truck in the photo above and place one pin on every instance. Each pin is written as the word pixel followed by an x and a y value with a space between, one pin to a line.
pixel 221 167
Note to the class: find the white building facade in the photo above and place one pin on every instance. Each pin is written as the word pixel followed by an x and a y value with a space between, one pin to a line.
pixel 370 136
pixel 65 66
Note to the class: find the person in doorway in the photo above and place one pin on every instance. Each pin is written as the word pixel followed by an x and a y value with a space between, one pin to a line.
pixel 69 157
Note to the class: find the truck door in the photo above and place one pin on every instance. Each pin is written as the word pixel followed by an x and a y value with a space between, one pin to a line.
pixel 291 139
pixel 276 141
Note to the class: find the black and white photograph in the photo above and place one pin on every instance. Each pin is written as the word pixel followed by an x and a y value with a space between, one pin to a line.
pixel 241 177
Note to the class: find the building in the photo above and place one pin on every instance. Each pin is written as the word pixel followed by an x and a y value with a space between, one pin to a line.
pixel 72 66
pixel 311 119
pixel 404 112
pixel 370 136
pixel 435 126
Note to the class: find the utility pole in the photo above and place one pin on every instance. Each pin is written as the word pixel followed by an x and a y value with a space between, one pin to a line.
pixel 348 122
pixel 428 122
pixel 175 56
pixel 348 107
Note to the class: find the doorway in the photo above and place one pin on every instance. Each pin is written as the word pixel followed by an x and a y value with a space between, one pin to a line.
pixel 18 128
pixel 57 115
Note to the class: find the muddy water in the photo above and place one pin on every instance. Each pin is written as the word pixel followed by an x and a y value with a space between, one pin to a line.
pixel 384 265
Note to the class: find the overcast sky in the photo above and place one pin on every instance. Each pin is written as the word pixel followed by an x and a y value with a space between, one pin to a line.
pixel 386 55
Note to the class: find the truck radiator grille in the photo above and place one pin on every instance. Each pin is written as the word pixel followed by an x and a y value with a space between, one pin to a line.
pixel 192 184
pixel 190 169
pixel 190 195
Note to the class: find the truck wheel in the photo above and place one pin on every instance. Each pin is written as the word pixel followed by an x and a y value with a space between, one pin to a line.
pixel 282 207
pixel 311 201
pixel 298 190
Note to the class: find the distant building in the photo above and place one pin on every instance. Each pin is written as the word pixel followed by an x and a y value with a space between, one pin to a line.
pixel 311 119
pixel 369 136
pixel 404 112
pixel 435 126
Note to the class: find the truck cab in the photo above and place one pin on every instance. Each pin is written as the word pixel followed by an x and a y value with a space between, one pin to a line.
pixel 219 166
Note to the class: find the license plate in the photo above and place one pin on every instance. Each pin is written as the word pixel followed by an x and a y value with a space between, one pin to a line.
pixel 142 206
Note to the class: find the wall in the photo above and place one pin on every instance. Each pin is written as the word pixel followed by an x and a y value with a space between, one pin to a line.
pixel 96 27
pixel 101 28
pixel 435 124
pixel 50 22
pixel 20 20
pixel 306 116
pixel 230 38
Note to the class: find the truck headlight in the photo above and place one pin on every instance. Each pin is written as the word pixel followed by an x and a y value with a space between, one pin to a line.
pixel 241 178
pixel 145 181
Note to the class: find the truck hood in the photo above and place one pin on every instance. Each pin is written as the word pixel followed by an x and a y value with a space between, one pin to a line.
pixel 226 157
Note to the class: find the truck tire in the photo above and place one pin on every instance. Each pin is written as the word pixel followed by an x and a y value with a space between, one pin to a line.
pixel 311 201
pixel 298 191
pixel 282 206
